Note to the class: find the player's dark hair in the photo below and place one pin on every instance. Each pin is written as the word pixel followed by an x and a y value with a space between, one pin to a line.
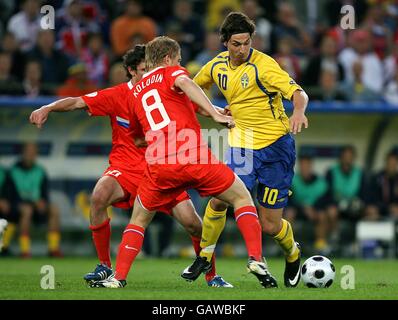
pixel 157 49
pixel 236 22
pixel 133 58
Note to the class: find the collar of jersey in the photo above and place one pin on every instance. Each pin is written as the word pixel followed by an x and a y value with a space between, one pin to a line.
pixel 130 84
pixel 148 73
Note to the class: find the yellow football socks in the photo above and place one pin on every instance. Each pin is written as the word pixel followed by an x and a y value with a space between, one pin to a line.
pixel 286 241
pixel 53 239
pixel 9 234
pixel 213 225
pixel 24 244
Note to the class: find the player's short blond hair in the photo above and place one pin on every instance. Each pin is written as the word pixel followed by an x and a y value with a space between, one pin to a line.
pixel 157 49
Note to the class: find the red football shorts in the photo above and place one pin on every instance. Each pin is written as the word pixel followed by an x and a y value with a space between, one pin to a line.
pixel 129 181
pixel 161 184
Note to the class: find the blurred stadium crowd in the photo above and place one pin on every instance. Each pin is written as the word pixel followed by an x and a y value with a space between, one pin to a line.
pixel 84 50
pixel 83 53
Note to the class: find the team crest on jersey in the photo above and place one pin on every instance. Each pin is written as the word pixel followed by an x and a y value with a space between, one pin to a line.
pixel 223 69
pixel 244 80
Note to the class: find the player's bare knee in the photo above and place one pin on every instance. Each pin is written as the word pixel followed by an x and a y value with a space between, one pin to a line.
pixel 242 200
pixel 99 200
pixel 194 228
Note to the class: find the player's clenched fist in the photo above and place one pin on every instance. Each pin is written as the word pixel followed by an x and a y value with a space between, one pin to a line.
pixel 39 116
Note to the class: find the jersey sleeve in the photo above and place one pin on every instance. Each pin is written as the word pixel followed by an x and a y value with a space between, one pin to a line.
pixel 278 80
pixel 100 103
pixel 204 78
pixel 135 125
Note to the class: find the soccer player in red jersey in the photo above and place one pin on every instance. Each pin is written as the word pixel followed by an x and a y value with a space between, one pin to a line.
pixel 178 159
pixel 118 185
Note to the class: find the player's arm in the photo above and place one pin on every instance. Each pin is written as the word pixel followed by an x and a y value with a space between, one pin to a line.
pixel 39 116
pixel 298 118
pixel 280 81
pixel 196 95
pixel 206 114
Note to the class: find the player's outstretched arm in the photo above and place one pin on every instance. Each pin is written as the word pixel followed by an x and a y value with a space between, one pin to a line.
pixel 39 116
pixel 298 118
pixel 196 95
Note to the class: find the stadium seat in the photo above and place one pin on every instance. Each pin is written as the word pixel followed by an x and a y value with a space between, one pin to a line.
pixel 370 233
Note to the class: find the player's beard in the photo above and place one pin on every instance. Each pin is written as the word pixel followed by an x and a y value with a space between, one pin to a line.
pixel 238 60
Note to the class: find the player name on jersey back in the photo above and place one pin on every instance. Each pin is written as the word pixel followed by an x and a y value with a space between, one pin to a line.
pixel 142 85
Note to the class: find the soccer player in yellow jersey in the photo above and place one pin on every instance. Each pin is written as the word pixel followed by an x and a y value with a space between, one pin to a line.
pixel 261 145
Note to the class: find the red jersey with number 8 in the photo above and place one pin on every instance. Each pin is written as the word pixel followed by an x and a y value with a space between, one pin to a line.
pixel 167 116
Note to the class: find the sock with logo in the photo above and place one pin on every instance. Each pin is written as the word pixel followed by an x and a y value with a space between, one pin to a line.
pixel 213 225
pixel 133 237
pixel 286 241
pixel 249 226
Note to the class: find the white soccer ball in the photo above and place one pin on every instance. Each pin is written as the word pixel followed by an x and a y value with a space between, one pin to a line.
pixel 318 272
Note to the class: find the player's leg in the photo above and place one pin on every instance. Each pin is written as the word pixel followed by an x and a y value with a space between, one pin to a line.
pixel 237 195
pixel 247 220
pixel 130 246
pixel 213 224
pixel 215 215
pixel 26 213
pixel 184 212
pixel 53 235
pixel 282 232
pixel 275 171
pixel 106 191
pixel 246 216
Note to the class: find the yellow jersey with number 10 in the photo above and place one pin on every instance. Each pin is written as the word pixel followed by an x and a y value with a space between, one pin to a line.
pixel 254 93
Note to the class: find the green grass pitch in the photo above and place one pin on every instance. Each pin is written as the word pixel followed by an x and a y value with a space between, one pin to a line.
pixel 152 279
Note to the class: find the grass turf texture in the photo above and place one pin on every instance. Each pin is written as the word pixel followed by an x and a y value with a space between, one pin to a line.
pixel 152 279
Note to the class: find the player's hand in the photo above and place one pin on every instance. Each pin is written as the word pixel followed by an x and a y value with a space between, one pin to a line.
pixel 224 120
pixel 227 110
pixel 39 117
pixel 297 120
pixel 224 110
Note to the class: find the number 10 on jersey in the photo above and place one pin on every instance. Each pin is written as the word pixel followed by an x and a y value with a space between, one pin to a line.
pixel 222 81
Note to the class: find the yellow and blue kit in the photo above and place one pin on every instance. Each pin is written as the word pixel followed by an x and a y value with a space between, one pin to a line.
pixel 261 147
